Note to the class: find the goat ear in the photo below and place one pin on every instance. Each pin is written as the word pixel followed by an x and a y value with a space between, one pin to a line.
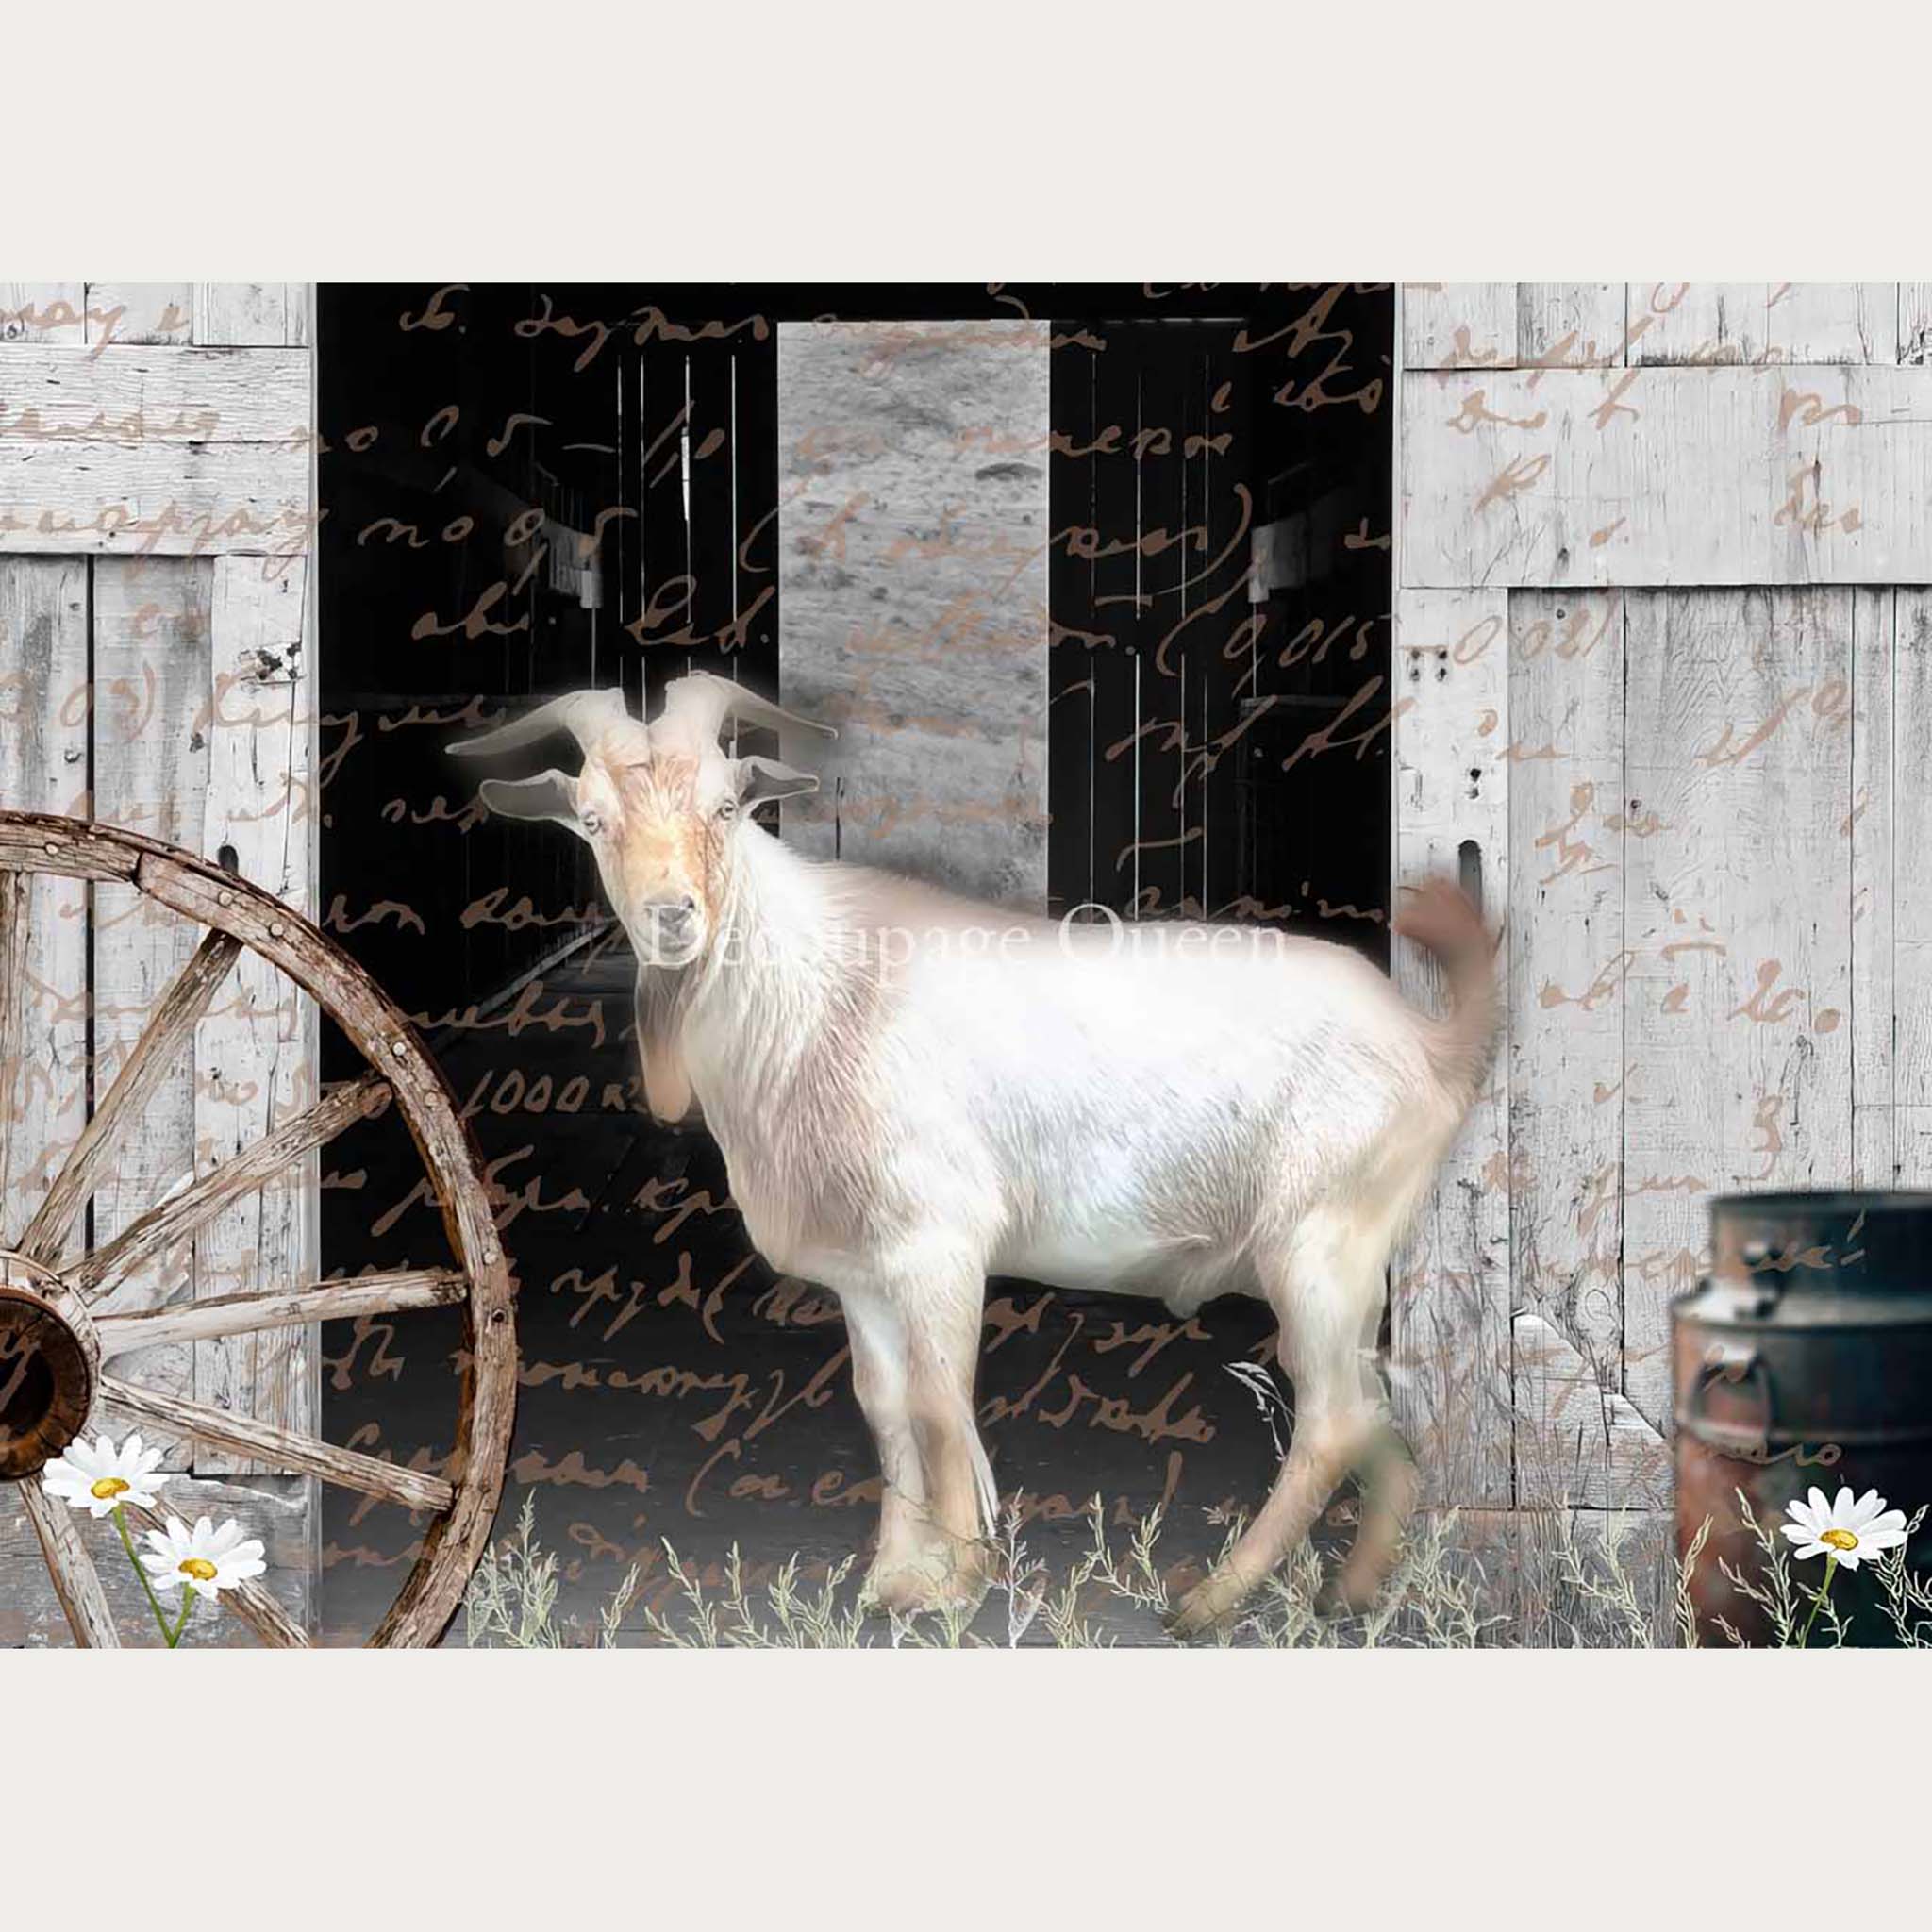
pixel 549 795
pixel 761 780
pixel 667 1085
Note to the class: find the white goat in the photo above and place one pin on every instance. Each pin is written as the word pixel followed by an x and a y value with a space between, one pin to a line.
pixel 913 1091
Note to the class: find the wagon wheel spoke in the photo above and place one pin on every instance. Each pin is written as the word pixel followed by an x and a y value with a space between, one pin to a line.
pixel 152 1056
pixel 15 887
pixel 249 1314
pixel 173 1220
pixel 252 1602
pixel 283 1448
pixel 77 1583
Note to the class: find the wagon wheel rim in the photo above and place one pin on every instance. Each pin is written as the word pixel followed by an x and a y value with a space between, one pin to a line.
pixel 53 1299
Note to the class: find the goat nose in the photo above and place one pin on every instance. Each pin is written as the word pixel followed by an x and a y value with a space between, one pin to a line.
pixel 675 912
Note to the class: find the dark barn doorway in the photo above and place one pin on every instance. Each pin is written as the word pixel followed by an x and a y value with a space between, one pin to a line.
pixel 530 488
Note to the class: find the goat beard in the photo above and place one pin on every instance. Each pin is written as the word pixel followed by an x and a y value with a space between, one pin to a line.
pixel 661 993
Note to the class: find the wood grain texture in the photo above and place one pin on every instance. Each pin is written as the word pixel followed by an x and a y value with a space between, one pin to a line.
pixel 1580 1443
pixel 204 896
pixel 71 1570
pixel 301 1455
pixel 43 753
pixel 130 394
pixel 251 1314
pixel 1761 323
pixel 163 499
pixel 251 313
pixel 1736 916
pixel 151 651
pixel 167 1035
pixel 1911 870
pixel 1872 830
pixel 487 1392
pixel 140 313
pixel 152 1237
pixel 1570 324
pixel 1459 324
pixel 1568 828
pixel 256 1061
pixel 1666 476
pixel 43 312
pixel 1449 1317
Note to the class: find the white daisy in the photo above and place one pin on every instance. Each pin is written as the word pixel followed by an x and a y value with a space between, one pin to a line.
pixel 206 1560
pixel 1852 1531
pixel 99 1479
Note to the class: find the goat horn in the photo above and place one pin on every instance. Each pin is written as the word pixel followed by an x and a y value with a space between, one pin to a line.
pixel 586 715
pixel 698 705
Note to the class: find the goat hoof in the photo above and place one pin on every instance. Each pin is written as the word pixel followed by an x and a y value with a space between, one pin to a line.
pixel 1207 1607
pixel 911 1590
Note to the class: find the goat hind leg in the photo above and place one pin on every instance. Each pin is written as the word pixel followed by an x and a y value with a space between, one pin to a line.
pixel 1319 1289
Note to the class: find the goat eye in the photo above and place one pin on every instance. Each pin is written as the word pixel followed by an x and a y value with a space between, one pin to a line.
pixel 591 821
pixel 727 807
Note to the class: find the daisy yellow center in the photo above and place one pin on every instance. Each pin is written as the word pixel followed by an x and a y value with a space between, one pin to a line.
pixel 199 1568
pixel 109 1488
pixel 1840 1540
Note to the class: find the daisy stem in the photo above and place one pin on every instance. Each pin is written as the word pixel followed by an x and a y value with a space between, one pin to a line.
pixel 1818 1601
pixel 188 1596
pixel 154 1602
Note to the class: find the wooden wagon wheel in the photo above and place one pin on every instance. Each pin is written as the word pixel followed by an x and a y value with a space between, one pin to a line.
pixel 53 1338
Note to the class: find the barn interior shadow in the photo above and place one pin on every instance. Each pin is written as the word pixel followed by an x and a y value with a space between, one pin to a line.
pixel 673 1386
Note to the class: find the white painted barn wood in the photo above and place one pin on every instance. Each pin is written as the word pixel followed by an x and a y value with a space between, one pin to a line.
pixel 59 498
pixel 1764 323
pixel 1911 876
pixel 1915 322
pixel 1913 1146
pixel 1872 830
pixel 1666 475
pixel 143 394
pixel 151 645
pixel 70 1568
pixel 1758 793
pixel 1737 915
pixel 43 312
pixel 139 311
pixel 245 314
pixel 43 747
pixel 1579 1442
pixel 1450 1309
pixel 164 431
pixel 1459 324
pixel 1568 827
pixel 256 1057
pixel 31 1612
pixel 1570 325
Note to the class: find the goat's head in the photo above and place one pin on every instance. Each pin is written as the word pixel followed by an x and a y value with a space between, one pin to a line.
pixel 662 806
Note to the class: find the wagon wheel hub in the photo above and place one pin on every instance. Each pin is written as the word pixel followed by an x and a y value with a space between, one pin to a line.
pixel 50 1359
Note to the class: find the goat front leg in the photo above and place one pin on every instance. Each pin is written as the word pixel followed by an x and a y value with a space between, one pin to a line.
pixel 1324 1290
pixel 914 1369
pixel 880 1381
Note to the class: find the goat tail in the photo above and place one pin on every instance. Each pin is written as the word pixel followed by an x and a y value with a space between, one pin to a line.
pixel 1442 918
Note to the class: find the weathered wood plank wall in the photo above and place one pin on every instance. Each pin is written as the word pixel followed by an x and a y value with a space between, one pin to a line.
pixel 156 445
pixel 1665 662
